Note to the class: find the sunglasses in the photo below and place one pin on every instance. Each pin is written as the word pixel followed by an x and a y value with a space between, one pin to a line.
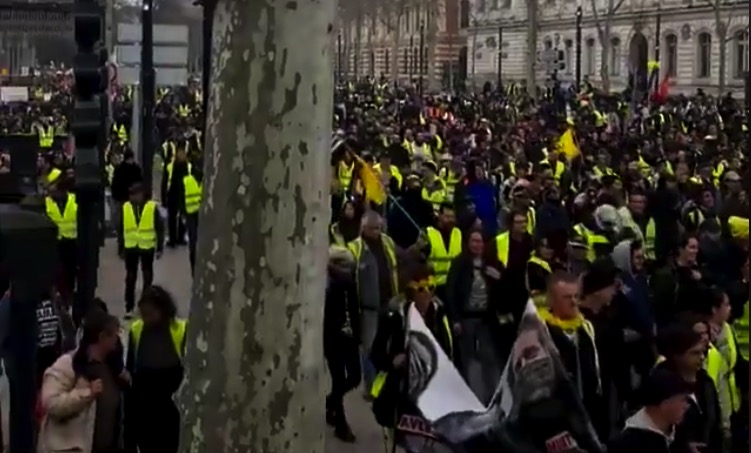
pixel 422 285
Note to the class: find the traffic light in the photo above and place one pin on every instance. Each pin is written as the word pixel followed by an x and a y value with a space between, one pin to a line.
pixel 89 127
pixel 88 124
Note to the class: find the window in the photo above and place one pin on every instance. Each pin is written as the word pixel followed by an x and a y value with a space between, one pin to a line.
pixel 704 55
pixel 414 69
pixel 568 56
pixel 481 6
pixel 494 4
pixel 372 63
pixel 425 60
pixel 615 57
pixel 548 44
pixel 464 14
pixel 387 62
pixel 407 18
pixel 671 55
pixel 740 49
pixel 589 63
pixel 406 61
pixel 506 4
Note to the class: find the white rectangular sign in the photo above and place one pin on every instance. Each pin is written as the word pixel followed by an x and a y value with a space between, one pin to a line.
pixel 14 94
pixel 163 34
pixel 130 54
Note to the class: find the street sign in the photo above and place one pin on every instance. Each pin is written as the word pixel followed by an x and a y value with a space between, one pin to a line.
pixel 170 54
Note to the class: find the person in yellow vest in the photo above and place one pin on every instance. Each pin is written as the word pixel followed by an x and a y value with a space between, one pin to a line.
pixel 46 133
pixel 140 241
pixel 444 243
pixel 173 195
pixel 391 351
pixel 376 280
pixel 433 187
pixel 120 133
pixel 723 358
pixel 156 348
pixel 193 184
pixel 556 166
pixel 740 314
pixel 347 226
pixel 539 269
pixel 452 173
pixel 62 209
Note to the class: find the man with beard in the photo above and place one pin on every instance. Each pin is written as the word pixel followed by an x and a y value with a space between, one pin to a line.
pixel 340 331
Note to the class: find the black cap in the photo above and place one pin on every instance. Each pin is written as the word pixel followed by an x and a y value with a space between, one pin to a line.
pixel 661 385
pixel 601 274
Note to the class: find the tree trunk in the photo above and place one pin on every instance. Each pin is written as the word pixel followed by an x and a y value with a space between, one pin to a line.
pixel 358 43
pixel 531 67
pixel 722 60
pixel 433 10
pixel 254 375
pixel 395 47
pixel 605 56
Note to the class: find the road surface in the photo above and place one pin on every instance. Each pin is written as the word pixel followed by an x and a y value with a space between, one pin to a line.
pixel 172 272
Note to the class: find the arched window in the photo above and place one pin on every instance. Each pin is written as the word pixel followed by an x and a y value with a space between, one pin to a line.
pixel 704 55
pixel 568 56
pixel 740 57
pixel 615 56
pixel 671 55
pixel 589 62
pixel 548 44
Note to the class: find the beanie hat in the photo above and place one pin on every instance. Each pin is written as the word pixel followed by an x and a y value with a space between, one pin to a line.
pixel 601 274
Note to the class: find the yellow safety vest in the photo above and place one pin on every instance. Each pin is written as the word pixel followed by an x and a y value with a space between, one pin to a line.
pixel 649 241
pixel 183 110
pixel 395 173
pixel 169 149
pixel 539 299
pixel 435 197
pixel 122 134
pixel 721 369
pixel 531 221
pixel 560 167
pixel 592 240
pixel 335 236
pixel 502 244
pixel 139 235
pixel 380 379
pixel 46 137
pixel 440 257
pixel 356 247
pixel 177 332
pixel 193 193
pixel 452 179
pixel 67 220
pixel 53 175
pixel 170 168
pixel 344 175
pixel 740 326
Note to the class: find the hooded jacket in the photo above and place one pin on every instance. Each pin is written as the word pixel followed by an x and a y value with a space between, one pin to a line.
pixel 641 434
pixel 634 292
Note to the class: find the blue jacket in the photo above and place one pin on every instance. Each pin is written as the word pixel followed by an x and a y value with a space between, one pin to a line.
pixel 483 196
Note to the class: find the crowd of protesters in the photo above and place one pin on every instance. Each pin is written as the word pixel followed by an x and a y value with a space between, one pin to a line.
pixel 624 220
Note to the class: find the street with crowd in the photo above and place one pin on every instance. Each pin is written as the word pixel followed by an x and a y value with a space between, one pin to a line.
pixel 620 224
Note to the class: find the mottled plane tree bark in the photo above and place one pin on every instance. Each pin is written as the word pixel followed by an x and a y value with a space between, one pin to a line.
pixel 255 380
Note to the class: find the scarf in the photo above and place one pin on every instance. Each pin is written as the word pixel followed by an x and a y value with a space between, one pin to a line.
pixel 568 326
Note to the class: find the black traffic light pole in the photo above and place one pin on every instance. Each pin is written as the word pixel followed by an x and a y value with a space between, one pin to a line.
pixel 148 94
pixel 658 33
pixel 208 28
pixel 499 82
pixel 89 127
pixel 411 60
pixel 578 48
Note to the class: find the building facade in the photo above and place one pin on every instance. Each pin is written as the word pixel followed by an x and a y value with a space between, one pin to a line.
pixel 689 38
pixel 386 42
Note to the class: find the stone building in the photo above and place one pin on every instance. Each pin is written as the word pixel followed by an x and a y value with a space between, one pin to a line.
pixel 690 40
pixel 386 42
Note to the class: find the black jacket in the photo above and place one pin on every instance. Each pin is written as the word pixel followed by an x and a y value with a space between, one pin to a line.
pixel 126 174
pixel 339 310
pixel 633 440
pixel 701 423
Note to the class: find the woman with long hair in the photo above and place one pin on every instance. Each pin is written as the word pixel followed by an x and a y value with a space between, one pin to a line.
pixel 80 395
pixel 156 347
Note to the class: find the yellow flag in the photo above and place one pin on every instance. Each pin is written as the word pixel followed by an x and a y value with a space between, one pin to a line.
pixel 567 145
pixel 374 190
